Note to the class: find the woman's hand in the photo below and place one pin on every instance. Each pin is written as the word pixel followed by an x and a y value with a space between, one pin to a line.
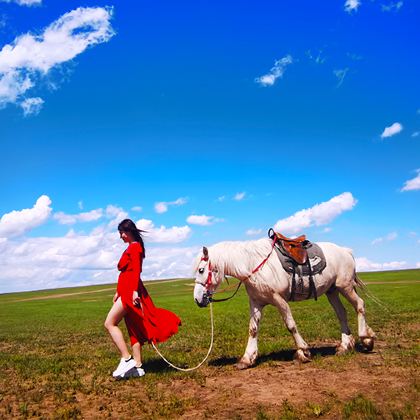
pixel 136 300
pixel 116 296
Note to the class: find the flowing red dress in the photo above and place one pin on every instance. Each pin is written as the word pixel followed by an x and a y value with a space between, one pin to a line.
pixel 145 323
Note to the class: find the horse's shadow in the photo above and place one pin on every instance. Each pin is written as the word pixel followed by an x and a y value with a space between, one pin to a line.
pixel 159 366
pixel 281 356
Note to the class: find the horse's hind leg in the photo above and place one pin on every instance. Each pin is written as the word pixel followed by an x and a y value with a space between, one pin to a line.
pixel 302 354
pixel 251 352
pixel 366 334
pixel 347 340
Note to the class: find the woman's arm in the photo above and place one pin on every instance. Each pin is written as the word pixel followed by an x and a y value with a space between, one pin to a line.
pixel 136 263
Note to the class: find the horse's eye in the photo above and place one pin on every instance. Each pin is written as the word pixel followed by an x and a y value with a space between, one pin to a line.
pixel 201 270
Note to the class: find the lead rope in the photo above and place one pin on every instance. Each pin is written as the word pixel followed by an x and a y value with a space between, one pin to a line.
pixel 207 355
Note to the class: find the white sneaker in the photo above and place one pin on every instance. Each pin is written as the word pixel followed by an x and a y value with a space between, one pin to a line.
pixel 123 367
pixel 140 372
pixel 135 372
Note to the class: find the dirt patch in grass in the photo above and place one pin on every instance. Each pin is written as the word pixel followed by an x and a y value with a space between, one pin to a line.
pixel 329 387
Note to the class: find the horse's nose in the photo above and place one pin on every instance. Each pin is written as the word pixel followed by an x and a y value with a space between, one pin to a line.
pixel 200 304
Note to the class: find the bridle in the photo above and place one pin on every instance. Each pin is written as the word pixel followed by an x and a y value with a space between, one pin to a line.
pixel 208 294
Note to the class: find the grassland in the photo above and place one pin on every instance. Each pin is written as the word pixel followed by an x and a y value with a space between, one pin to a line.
pixel 56 358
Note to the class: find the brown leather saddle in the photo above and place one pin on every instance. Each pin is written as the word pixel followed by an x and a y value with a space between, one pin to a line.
pixel 294 248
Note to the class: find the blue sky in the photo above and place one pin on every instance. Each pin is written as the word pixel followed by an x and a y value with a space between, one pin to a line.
pixel 304 115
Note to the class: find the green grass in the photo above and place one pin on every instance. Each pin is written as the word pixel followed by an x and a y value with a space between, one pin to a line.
pixel 56 358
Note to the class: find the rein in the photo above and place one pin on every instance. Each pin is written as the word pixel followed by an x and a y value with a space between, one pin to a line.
pixel 208 282
pixel 205 358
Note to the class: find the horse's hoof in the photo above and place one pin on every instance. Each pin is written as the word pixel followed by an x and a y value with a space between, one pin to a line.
pixel 303 356
pixel 368 343
pixel 242 365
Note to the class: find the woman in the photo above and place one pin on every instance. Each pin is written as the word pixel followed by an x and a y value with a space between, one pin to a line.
pixel 145 322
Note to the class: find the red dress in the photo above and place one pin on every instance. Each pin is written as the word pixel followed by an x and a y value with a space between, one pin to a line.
pixel 145 323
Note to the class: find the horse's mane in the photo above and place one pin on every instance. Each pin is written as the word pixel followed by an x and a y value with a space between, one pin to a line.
pixel 238 258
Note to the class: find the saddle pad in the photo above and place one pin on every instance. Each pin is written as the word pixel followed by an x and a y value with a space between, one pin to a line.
pixel 315 256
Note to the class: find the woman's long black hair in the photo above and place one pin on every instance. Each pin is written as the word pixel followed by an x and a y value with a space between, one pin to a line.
pixel 128 226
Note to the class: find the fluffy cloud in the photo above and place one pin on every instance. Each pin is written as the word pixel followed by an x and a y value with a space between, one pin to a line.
pixel 163 206
pixel 24 2
pixel 30 57
pixel 364 264
pixel 392 6
pixel 391 130
pixel 82 258
pixel 202 220
pixel 117 214
pixel 162 234
pixel 239 196
pixel 18 222
pixel 71 219
pixel 276 72
pixel 390 237
pixel 253 232
pixel 412 184
pixel 32 106
pixel 351 5
pixel 320 214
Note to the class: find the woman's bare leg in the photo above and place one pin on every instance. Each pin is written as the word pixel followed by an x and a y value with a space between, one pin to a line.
pixel 137 353
pixel 114 317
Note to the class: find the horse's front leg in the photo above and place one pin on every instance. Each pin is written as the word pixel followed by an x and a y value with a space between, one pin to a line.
pixel 251 352
pixel 302 354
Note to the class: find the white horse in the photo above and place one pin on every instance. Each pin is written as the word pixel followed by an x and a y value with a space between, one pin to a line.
pixel 271 284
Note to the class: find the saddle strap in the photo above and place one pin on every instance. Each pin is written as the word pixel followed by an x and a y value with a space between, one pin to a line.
pixel 312 287
pixel 293 291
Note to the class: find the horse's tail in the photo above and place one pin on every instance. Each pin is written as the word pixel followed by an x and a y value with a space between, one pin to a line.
pixel 359 282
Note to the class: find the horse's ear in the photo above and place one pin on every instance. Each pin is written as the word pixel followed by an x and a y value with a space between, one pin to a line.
pixel 205 252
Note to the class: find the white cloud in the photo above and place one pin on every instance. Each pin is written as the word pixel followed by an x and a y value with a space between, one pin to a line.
pixel 30 57
pixel 392 6
pixel 202 220
pixel 364 264
pixel 136 208
pixel 18 222
pixel 351 5
pixel 390 237
pixel 418 264
pixel 392 130
pixel 162 234
pixel 80 204
pixel 23 2
pixel 340 75
pixel 71 219
pixel 253 232
pixel 163 263
pixel 163 206
pixel 221 198
pixel 81 259
pixel 320 214
pixel 239 196
pixel 32 106
pixel 412 184
pixel 415 134
pixel 276 72
pixel 117 214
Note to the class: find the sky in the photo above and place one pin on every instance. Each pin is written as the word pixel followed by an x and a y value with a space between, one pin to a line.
pixel 204 121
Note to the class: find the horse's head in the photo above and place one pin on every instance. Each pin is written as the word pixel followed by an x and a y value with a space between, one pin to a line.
pixel 207 279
